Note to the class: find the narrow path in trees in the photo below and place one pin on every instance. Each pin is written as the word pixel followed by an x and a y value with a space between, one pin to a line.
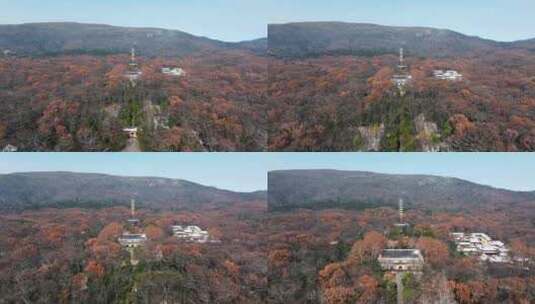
pixel 132 145
pixel 399 285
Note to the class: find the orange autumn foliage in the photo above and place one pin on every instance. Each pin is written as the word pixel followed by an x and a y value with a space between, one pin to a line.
pixel 434 251
pixel 95 269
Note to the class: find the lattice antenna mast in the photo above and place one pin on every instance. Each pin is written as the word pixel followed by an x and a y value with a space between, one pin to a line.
pixel 401 211
pixel 133 55
pixel 133 207
pixel 402 67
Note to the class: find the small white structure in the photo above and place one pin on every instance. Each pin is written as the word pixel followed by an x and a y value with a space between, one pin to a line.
pixel 482 246
pixel 177 72
pixel 133 75
pixel 132 132
pixel 401 80
pixel 401 260
pixel 450 75
pixel 190 234
pixel 8 53
pixel 132 240
pixel 10 148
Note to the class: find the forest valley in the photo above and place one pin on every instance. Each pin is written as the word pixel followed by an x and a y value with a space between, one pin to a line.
pixel 349 103
pixel 82 102
pixel 70 254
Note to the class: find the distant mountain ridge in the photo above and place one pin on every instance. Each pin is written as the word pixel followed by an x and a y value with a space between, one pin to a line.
pixel 318 189
pixel 528 44
pixel 69 37
pixel 19 191
pixel 319 38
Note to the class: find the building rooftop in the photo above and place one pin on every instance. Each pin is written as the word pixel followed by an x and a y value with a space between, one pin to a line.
pixel 401 254
pixel 173 71
pixel 482 245
pixel 133 237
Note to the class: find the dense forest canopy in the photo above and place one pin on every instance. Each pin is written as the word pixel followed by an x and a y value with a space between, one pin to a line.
pixel 324 87
pixel 64 87
pixel 348 103
pixel 72 256
pixel 82 103
pixel 330 256
pixel 68 252
pixel 330 89
pixel 328 228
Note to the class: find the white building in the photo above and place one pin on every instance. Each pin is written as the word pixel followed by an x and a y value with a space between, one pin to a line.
pixel 482 246
pixel 8 53
pixel 401 80
pixel 401 260
pixel 10 148
pixel 173 71
pixel 133 75
pixel 132 132
pixel 191 234
pixel 132 240
pixel 450 75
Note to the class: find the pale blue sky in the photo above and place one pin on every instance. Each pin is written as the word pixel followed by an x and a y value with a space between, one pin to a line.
pixel 234 20
pixel 247 171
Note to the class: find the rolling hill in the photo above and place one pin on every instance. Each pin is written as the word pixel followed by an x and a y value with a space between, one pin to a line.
pixel 317 189
pixel 525 44
pixel 320 38
pixel 19 191
pixel 39 39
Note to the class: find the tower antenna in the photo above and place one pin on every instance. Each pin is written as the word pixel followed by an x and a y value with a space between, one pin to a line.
pixel 402 77
pixel 133 207
pixel 133 55
pixel 401 211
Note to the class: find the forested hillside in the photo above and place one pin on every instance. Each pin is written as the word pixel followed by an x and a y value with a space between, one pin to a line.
pixel 319 189
pixel 330 256
pixel 347 102
pixel 72 256
pixel 305 39
pixel 82 103
pixel 41 39
pixel 20 191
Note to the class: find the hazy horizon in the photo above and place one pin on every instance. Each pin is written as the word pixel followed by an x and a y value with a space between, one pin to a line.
pixel 265 37
pixel 493 19
pixel 247 172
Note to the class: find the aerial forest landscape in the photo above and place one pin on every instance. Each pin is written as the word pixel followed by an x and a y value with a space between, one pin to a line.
pixel 65 246
pixel 315 86
pixel 69 87
pixel 334 86
pixel 267 152
pixel 315 236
